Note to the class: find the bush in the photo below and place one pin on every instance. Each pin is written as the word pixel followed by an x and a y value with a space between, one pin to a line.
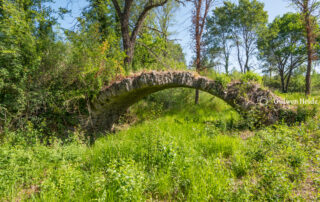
pixel 251 76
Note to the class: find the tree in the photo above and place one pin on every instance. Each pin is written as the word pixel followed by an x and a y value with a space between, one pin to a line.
pixel 249 17
pixel 102 14
pixel 164 18
pixel 129 36
pixel 239 23
pixel 308 9
pixel 26 30
pixel 154 47
pixel 200 12
pixel 282 45
pixel 218 37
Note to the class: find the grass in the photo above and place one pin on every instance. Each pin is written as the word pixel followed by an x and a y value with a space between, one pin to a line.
pixel 173 151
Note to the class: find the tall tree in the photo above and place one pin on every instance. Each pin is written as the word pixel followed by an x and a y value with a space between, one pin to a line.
pixel 218 37
pixel 155 49
pixel 249 16
pixel 101 13
pixel 129 36
pixel 308 9
pixel 164 18
pixel 240 22
pixel 282 45
pixel 26 32
pixel 200 12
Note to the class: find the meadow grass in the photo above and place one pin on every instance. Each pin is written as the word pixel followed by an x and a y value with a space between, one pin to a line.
pixel 174 151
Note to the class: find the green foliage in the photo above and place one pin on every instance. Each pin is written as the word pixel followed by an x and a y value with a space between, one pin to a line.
pixel 297 81
pixel 282 46
pixel 44 79
pixel 99 62
pixel 175 150
pixel 18 57
pixel 125 181
pixel 235 25
pixel 219 35
pixel 251 76
pixel 221 78
pixel 47 79
pixel 179 155
pixel 156 53
pixel 27 40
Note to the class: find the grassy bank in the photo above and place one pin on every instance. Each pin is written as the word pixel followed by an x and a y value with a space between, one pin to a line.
pixel 173 151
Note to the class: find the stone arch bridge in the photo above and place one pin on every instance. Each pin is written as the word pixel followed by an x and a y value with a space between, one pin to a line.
pixel 246 97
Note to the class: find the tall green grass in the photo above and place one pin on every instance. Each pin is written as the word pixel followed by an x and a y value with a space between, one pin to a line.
pixel 181 153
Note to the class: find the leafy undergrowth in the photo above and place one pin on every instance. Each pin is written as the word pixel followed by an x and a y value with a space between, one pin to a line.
pixel 192 154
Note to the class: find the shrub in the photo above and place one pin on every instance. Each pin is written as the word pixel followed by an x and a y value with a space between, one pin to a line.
pixel 124 181
pixel 251 76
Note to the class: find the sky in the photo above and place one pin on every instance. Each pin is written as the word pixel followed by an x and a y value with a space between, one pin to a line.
pixel 181 27
pixel 183 19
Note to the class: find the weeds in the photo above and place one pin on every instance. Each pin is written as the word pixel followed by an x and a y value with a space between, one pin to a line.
pixel 185 153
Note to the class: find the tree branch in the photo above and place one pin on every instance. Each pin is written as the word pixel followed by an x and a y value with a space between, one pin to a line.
pixel 127 6
pixel 207 7
pixel 143 15
pixel 117 7
pixel 154 55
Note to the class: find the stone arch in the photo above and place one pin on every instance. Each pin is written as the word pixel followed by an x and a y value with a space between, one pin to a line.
pixel 246 97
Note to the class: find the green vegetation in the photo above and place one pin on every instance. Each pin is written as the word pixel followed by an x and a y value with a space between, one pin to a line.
pixel 165 148
pixel 184 152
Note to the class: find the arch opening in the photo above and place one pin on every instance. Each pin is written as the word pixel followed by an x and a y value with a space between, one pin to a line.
pixel 180 104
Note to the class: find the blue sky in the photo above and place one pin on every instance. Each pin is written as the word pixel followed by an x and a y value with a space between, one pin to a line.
pixel 182 19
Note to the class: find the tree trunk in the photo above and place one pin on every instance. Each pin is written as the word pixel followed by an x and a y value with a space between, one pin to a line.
pixel 309 49
pixel 239 58
pixel 282 82
pixel 199 19
pixel 308 79
pixel 309 66
pixel 246 66
pixel 227 65
pixel 227 57
pixel 198 44
pixel 129 37
pixel 129 49
pixel 196 98
pixel 128 46
pixel 198 68
pixel 288 80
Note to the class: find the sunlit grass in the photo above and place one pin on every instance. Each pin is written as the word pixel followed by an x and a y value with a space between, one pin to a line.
pixel 183 152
